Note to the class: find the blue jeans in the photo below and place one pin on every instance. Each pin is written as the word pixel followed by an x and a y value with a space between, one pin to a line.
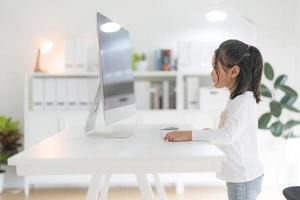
pixel 245 190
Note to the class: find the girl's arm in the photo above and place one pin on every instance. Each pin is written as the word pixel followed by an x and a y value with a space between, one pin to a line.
pixel 238 117
pixel 176 136
pixel 235 123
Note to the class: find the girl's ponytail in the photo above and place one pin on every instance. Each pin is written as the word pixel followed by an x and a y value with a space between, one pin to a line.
pixel 256 65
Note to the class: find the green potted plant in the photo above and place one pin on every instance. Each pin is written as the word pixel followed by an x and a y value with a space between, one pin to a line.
pixel 272 120
pixel 9 143
pixel 139 62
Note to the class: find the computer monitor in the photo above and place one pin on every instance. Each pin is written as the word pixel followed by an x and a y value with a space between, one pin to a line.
pixel 115 93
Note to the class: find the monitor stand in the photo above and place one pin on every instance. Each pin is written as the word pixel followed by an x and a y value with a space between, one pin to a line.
pixel 104 131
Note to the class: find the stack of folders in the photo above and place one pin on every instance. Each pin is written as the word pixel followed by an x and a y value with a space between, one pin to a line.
pixel 63 93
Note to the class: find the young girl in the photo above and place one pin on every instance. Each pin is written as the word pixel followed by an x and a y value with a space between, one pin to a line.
pixel 238 67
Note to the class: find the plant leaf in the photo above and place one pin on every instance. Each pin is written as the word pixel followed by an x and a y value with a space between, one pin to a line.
pixel 277 128
pixel 288 91
pixel 291 123
pixel 291 135
pixel 288 100
pixel 292 108
pixel 264 120
pixel 275 108
pixel 13 127
pixel 2 123
pixel 280 80
pixel 264 90
pixel 269 73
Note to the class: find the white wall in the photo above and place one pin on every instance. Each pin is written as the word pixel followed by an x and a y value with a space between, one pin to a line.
pixel 153 24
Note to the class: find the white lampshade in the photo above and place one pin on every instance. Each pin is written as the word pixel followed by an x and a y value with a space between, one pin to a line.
pixel 46 47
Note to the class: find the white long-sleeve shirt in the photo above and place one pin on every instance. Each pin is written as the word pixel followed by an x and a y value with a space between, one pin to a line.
pixel 236 136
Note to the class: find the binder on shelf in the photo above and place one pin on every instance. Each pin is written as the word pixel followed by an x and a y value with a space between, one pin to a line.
pixel 83 94
pixel 37 94
pixel 72 94
pixel 142 94
pixel 61 94
pixel 192 92
pixel 49 94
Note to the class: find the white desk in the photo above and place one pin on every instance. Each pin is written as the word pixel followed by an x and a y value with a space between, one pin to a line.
pixel 70 152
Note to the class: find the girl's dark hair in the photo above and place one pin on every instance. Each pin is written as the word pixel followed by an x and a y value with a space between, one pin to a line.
pixel 250 62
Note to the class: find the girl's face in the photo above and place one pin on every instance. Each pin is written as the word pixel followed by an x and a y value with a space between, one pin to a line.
pixel 223 77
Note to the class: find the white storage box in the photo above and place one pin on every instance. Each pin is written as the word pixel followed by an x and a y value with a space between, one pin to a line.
pixel 213 100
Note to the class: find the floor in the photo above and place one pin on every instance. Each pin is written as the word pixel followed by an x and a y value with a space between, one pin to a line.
pixel 127 193
pixel 120 193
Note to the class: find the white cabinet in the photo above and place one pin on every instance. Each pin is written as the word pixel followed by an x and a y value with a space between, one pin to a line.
pixel 41 125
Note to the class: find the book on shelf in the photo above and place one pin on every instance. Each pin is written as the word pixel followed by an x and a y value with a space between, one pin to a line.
pixel 172 92
pixel 164 60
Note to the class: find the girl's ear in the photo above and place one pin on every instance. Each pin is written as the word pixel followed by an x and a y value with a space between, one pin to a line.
pixel 235 70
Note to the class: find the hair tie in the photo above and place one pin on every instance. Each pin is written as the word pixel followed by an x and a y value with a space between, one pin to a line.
pixel 248 51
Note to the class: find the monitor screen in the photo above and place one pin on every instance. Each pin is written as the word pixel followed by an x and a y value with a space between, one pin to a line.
pixel 115 64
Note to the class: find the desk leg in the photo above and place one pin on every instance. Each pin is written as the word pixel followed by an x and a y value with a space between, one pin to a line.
pixel 144 187
pixel 105 187
pixel 93 192
pixel 98 190
pixel 26 186
pixel 160 187
pixel 179 185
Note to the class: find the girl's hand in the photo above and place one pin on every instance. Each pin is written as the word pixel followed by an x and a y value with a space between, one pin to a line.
pixel 177 136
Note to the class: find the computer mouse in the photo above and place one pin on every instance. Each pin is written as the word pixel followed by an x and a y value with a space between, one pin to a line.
pixel 170 128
